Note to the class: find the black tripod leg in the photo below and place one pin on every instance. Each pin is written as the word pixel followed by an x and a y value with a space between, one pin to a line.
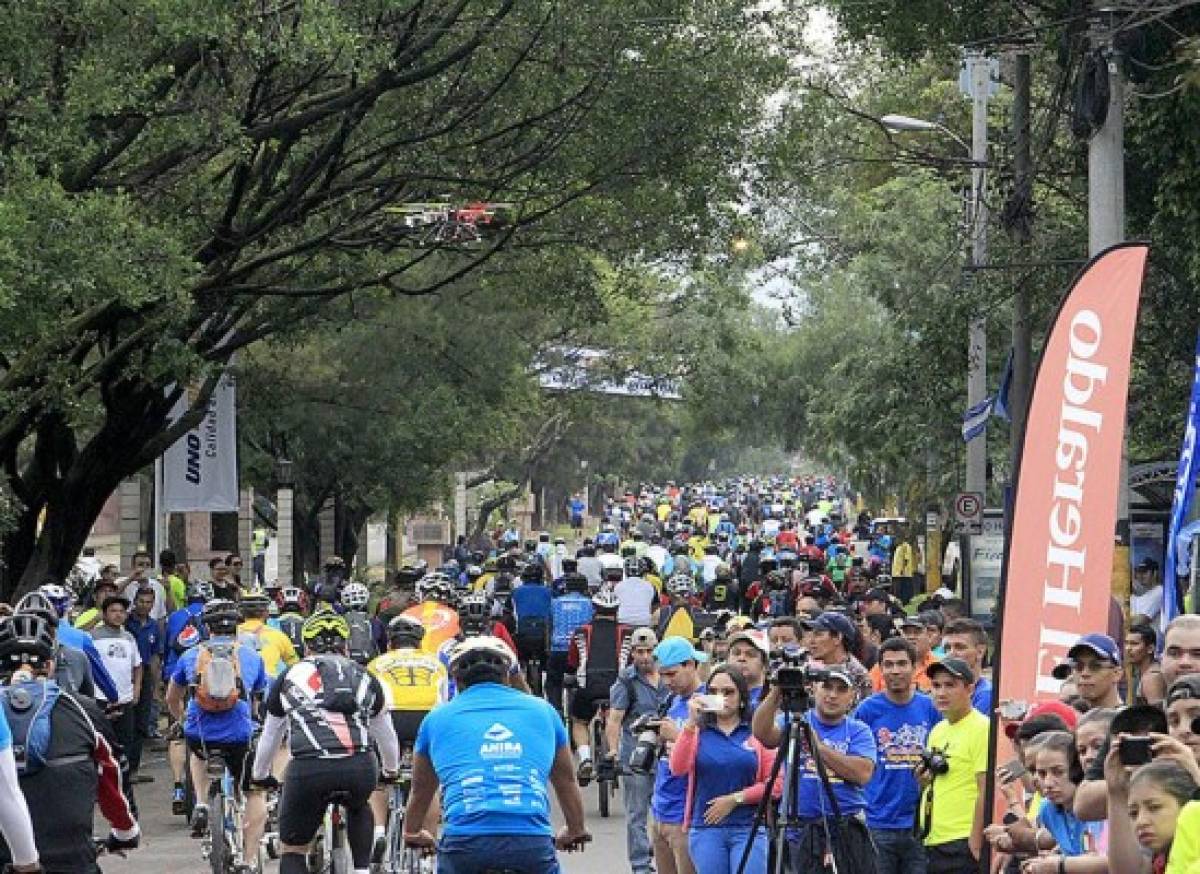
pixel 760 813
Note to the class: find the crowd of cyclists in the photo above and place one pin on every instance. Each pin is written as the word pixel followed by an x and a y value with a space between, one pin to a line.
pixel 426 723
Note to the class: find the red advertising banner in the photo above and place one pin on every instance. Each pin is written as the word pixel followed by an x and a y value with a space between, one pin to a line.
pixel 1058 564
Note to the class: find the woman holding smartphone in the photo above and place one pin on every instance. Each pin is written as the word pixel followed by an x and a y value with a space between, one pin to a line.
pixel 727 770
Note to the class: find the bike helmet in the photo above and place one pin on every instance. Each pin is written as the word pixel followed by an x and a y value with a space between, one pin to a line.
pixel 681 585
pixel 723 572
pixel 575 582
pixel 473 612
pixel 430 585
pixel 405 631
pixel 481 649
pixel 255 602
pixel 606 599
pixel 58 596
pixel 613 574
pixel 222 616
pixel 646 566
pixel 533 573
pixel 292 597
pixel 37 604
pixel 408 575
pixel 25 638
pixel 355 596
pixel 201 590
pixel 633 565
pixel 325 631
pixel 607 540
pixel 474 572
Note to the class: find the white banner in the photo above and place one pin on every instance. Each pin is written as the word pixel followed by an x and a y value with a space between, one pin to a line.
pixel 200 471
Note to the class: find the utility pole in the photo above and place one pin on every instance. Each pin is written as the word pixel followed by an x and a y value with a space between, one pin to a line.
pixel 1022 229
pixel 980 81
pixel 1106 227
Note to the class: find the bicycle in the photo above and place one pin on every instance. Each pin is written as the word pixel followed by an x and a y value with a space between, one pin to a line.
pixel 222 845
pixel 399 858
pixel 606 771
pixel 330 851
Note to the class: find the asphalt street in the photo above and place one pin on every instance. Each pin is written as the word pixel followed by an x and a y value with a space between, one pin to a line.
pixel 168 849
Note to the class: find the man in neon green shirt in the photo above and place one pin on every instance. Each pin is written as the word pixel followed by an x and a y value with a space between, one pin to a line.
pixel 950 815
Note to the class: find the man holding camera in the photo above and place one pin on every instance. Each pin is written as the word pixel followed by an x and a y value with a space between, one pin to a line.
pixel 825 829
pixel 638 692
pixel 678 665
pixel 952 772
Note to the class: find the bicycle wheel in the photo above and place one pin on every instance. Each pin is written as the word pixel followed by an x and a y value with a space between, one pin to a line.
pixel 340 860
pixel 219 860
pixel 600 745
pixel 535 677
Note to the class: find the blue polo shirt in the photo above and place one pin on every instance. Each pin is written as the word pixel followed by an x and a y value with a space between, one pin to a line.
pixel 981 698
pixel 900 732
pixel 669 801
pixel 849 737
pixel 148 634
pixel 725 763
pixel 229 726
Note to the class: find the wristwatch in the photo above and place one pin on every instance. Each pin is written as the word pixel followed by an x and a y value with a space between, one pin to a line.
pixel 739 797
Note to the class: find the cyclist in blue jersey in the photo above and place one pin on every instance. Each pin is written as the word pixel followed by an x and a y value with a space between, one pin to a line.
pixel 493 751
pixel 568 612
pixel 531 605
pixel 216 717
pixel 185 628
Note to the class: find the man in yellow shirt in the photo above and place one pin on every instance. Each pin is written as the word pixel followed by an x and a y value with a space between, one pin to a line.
pixel 950 813
pixel 414 682
pixel 273 645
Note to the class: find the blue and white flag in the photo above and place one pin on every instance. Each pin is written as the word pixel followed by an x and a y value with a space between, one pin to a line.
pixel 1181 501
pixel 1000 407
pixel 975 419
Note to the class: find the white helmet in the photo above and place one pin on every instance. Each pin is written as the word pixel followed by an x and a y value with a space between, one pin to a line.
pixel 484 646
pixel 355 596
pixel 681 584
pixel 606 599
pixel 434 586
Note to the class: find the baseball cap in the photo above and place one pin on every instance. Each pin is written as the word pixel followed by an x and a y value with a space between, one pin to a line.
pixel 643 637
pixel 1100 644
pixel 911 621
pixel 1147 564
pixel 1187 686
pixel 1062 710
pixel 834 622
pixel 838 672
pixel 876 594
pixel 954 667
pixel 675 651
pixel 754 637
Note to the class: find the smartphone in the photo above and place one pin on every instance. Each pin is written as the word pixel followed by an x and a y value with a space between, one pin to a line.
pixel 711 703
pixel 1012 770
pixel 1135 750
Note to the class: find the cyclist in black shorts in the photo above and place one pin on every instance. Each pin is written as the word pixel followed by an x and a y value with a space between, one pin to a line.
pixel 337 713
pixel 596 656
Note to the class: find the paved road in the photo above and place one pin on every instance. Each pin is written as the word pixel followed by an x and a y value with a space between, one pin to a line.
pixel 167 847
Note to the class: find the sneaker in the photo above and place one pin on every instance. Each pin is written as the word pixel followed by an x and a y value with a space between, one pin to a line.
pixel 379 849
pixel 199 820
pixel 178 800
pixel 585 773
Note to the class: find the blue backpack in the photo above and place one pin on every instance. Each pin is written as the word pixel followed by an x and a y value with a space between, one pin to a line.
pixel 28 706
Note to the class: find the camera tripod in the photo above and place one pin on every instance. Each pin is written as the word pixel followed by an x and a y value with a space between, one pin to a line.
pixel 798 740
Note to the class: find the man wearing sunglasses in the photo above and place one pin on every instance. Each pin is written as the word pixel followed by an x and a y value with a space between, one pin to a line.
pixel 1094 664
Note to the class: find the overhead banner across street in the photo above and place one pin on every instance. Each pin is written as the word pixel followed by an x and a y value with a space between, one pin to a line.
pixel 1059 559
pixel 200 470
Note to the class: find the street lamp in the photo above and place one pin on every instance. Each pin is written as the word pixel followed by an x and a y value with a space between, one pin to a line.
pixel 908 124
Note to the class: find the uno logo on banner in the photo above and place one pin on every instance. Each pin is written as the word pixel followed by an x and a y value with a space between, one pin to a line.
pixel 1059 561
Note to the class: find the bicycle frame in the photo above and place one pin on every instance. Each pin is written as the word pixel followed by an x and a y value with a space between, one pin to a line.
pixel 223 845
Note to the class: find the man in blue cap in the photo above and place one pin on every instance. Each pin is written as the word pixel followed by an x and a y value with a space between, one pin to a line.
pixel 678 666
pixel 1094 664
pixel 831 641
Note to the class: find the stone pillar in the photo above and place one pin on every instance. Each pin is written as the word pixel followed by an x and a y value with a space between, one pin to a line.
pixel 246 533
pixel 460 504
pixel 129 499
pixel 284 535
pixel 327 521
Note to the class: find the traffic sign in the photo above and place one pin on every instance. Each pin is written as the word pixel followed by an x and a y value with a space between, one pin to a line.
pixel 968 513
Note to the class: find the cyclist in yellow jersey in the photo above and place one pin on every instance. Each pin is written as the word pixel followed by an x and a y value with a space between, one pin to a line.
pixel 414 682
pixel 434 613
pixel 271 644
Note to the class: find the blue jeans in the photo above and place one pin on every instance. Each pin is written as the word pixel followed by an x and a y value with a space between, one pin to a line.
pixel 719 850
pixel 897 851
pixel 472 854
pixel 637 789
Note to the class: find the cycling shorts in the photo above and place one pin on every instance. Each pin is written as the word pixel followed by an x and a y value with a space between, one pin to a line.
pixel 308 785
pixel 586 701
pixel 531 646
pixel 406 723
pixel 238 757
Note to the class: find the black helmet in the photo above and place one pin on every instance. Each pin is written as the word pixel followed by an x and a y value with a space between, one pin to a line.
pixel 221 616
pixel 533 573
pixel 405 629
pixel 408 575
pixel 25 638
pixel 576 582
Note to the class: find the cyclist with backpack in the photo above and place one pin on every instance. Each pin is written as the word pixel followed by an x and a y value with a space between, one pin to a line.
pixel 66 764
pixel 292 615
pixel 223 677
pixel 361 648
pixel 596 656
pixel 475 617
pixel 531 605
pixel 334 709
pixel 568 612
pixel 271 644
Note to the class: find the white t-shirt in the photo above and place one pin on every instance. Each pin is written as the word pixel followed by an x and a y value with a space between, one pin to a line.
pixel 159 610
pixel 119 652
pixel 636 602
pixel 1149 604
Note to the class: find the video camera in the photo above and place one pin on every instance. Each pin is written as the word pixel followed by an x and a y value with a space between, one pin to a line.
pixel 647 747
pixel 792 674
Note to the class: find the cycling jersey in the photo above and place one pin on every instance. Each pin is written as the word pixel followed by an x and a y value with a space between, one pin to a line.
pixel 292 624
pixel 271 644
pixel 441 624
pixel 299 695
pixel 677 621
pixel 532 604
pixel 598 652
pixel 411 679
pixel 228 726
pixel 567 613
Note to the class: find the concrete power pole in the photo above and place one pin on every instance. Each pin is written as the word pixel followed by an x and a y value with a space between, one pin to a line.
pixel 1022 342
pixel 979 78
